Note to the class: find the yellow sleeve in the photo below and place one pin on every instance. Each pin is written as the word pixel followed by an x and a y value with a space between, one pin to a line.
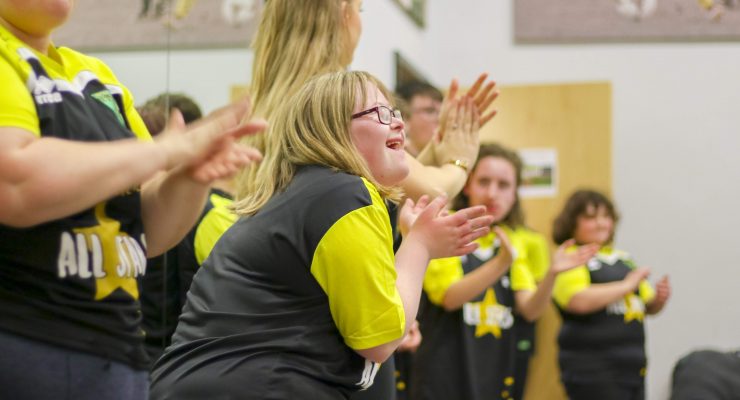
pixel 17 109
pixel 570 283
pixel 354 264
pixel 522 274
pixel 538 255
pixel 212 226
pixel 441 274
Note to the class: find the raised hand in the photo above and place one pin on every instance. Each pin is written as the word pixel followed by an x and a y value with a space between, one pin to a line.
pixel 483 95
pixel 461 124
pixel 505 255
pixel 208 148
pixel 565 260
pixel 662 292
pixel 448 235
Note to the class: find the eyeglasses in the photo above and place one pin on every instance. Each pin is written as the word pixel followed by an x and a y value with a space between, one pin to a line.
pixel 385 114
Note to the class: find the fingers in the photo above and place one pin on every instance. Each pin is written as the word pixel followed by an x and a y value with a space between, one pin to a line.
pixel 452 91
pixel 250 127
pixel 470 115
pixel 477 85
pixel 483 97
pixel 434 207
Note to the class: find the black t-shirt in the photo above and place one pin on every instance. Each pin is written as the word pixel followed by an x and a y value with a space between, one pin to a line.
pixel 285 296
pixel 467 354
pixel 607 345
pixel 72 282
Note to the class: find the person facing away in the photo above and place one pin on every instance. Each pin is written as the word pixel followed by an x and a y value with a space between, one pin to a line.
pixel 303 296
pixel 603 303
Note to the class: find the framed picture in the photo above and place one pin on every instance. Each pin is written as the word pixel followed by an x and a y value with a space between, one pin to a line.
pixel 626 20
pixel 539 173
pixel 159 24
pixel 415 9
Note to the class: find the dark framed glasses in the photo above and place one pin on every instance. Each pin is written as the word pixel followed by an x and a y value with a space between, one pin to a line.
pixel 385 114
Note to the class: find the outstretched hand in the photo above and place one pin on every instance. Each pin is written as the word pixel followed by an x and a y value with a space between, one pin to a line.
pixel 483 95
pixel 662 292
pixel 443 234
pixel 505 255
pixel 208 149
pixel 565 260
pixel 461 140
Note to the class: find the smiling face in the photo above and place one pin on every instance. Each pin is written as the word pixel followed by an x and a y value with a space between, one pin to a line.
pixel 492 184
pixel 595 225
pixel 380 145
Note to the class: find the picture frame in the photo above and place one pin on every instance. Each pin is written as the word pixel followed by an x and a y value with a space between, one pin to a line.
pixel 159 24
pixel 553 21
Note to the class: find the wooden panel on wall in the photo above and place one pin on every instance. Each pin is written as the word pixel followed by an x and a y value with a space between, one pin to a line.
pixel 575 120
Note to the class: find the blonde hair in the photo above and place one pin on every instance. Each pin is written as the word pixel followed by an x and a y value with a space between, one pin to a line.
pixel 295 41
pixel 312 128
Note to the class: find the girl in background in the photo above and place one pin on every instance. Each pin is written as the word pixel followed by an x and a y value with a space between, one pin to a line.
pixel 603 304
pixel 468 349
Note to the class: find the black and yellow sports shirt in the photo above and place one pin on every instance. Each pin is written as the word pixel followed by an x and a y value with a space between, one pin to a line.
pixel 72 282
pixel 469 353
pixel 607 345
pixel 287 296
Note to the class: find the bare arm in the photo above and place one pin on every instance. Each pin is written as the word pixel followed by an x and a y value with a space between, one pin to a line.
pixel 474 283
pixel 432 235
pixel 172 202
pixel 598 296
pixel 43 179
pixel 432 181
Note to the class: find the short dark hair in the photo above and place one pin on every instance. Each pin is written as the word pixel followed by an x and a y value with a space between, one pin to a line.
pixel 156 110
pixel 515 217
pixel 408 90
pixel 564 226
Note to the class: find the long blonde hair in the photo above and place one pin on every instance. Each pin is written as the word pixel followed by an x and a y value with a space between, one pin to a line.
pixel 296 40
pixel 312 128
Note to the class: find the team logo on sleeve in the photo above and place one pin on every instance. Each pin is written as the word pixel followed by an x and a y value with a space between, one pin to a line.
pixel 488 316
pixel 103 253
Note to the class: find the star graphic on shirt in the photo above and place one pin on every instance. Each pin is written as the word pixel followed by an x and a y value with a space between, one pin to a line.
pixel 104 240
pixel 489 303
pixel 634 310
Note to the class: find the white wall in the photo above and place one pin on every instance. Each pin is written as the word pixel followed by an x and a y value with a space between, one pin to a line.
pixel 676 140
pixel 676 163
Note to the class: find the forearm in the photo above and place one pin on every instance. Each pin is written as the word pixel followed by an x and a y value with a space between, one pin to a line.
pixel 426 155
pixel 412 259
pixel 171 203
pixel 45 179
pixel 597 297
pixel 531 305
pixel 473 284
pixel 432 181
